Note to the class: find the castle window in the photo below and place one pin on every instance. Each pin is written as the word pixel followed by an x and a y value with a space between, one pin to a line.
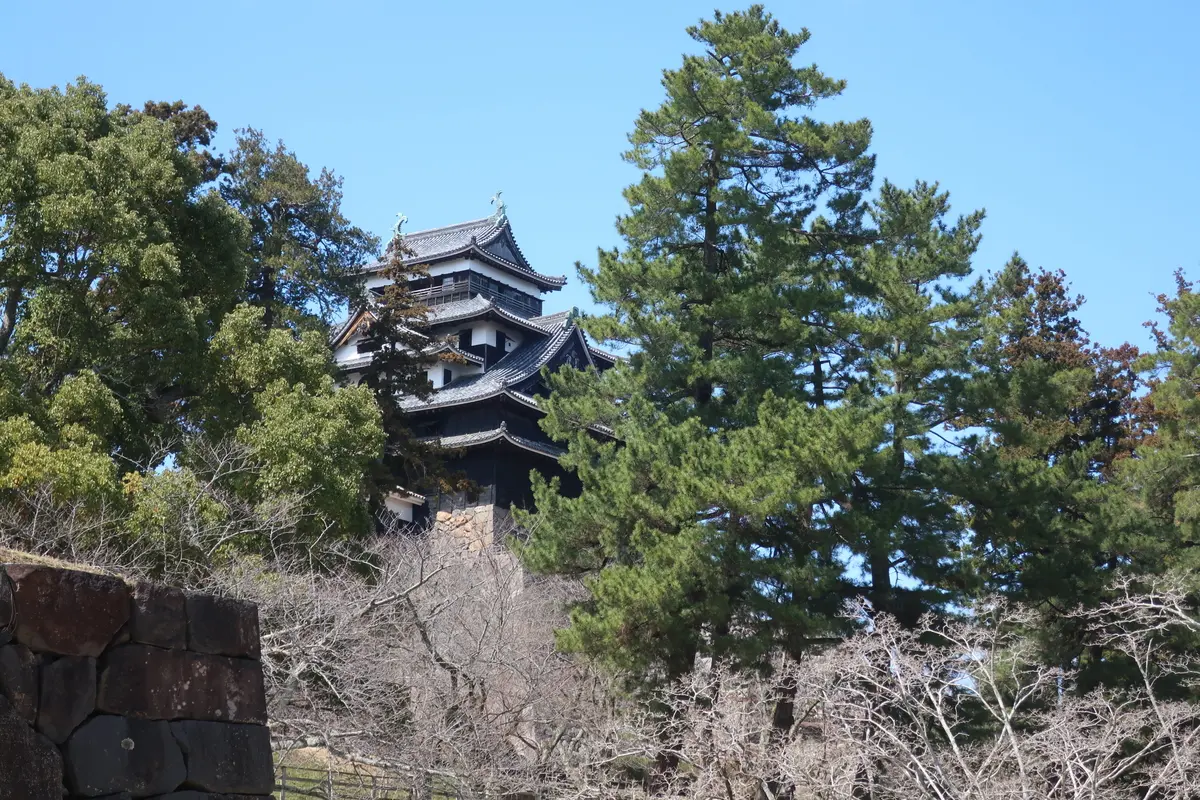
pixel 447 376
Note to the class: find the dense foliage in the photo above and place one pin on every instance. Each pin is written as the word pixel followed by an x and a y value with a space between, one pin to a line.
pixel 160 302
pixel 826 400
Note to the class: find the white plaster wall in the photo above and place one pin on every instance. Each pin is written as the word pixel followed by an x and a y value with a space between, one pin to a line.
pixel 348 350
pixel 460 264
pixel 400 507
pixel 485 333
pixel 435 373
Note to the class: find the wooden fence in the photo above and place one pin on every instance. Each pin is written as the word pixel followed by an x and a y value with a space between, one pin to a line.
pixel 309 783
pixel 317 783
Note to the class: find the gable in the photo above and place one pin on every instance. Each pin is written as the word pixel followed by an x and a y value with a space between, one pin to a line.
pixel 353 328
pixel 574 353
pixel 505 248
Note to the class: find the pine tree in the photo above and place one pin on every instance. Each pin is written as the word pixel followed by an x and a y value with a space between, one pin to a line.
pixel 1047 518
pixel 1165 476
pixel 914 325
pixel 1052 423
pixel 305 255
pixel 703 526
pixel 399 337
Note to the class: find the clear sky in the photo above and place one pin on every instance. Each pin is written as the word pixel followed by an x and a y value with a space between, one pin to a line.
pixel 1073 123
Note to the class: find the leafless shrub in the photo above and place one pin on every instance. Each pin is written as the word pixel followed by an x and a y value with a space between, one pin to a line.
pixel 961 710
pixel 416 654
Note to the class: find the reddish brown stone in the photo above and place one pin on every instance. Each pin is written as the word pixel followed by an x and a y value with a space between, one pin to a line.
pixel 19 680
pixel 68 696
pixel 66 612
pixel 150 683
pixel 30 765
pixel 159 616
pixel 222 626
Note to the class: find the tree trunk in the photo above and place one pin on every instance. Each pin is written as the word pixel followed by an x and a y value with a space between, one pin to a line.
pixel 703 390
pixel 8 322
pixel 266 296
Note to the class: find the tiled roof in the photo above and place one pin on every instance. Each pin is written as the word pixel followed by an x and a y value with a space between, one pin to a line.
pixel 596 351
pixel 479 306
pixel 409 497
pixel 355 362
pixel 345 326
pixel 459 309
pixel 502 433
pixel 489 237
pixel 456 311
pixel 556 320
pixel 443 347
pixel 561 318
pixel 521 363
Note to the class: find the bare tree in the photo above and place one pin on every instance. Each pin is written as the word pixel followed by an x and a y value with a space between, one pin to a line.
pixel 961 710
pixel 413 655
pixel 419 655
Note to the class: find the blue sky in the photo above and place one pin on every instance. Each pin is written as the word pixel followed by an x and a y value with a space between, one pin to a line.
pixel 1073 123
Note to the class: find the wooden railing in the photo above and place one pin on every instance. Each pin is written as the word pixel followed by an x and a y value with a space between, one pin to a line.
pixel 464 289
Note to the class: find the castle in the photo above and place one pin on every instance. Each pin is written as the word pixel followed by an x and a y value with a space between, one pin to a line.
pixel 494 342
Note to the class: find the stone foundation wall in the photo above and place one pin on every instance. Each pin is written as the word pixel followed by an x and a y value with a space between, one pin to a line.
pixel 112 690
pixel 470 525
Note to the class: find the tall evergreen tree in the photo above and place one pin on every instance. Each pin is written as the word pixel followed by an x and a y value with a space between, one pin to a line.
pixel 915 323
pixel 399 337
pixel 1165 477
pixel 1051 421
pixel 704 526
pixel 1056 411
pixel 305 255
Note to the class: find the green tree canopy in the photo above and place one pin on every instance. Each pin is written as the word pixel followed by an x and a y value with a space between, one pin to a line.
pixel 160 300
pixel 703 528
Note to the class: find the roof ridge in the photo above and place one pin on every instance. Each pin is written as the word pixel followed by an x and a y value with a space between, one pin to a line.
pixel 456 226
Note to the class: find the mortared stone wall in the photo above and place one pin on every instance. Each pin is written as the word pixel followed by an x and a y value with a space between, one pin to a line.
pixel 118 691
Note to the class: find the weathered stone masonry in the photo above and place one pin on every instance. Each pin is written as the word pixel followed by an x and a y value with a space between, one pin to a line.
pixel 108 690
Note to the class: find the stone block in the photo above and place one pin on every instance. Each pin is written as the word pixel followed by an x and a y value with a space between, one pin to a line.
pixel 64 611
pixel 149 683
pixel 223 757
pixel 68 696
pixel 19 680
pixel 159 616
pixel 30 765
pixel 6 605
pixel 110 754
pixel 222 626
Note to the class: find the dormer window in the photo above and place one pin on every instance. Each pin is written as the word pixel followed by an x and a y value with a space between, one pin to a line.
pixel 447 376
